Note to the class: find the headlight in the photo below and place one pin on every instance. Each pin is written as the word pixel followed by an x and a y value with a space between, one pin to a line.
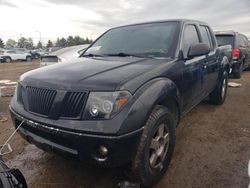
pixel 104 105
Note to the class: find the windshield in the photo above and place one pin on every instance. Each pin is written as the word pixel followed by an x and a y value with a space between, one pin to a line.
pixel 155 39
pixel 225 40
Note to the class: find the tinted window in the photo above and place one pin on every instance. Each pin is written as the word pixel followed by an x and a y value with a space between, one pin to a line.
pixel 205 36
pixel 225 40
pixel 245 41
pixel 156 39
pixel 190 38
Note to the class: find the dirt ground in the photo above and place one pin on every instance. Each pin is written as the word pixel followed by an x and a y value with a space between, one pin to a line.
pixel 212 150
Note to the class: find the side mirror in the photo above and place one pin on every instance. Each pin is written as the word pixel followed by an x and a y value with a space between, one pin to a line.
pixel 198 50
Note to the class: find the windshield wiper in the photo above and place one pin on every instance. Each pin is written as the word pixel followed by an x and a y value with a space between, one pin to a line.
pixel 91 55
pixel 121 54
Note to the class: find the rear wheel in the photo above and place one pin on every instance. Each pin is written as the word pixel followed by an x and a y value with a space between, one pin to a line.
pixel 219 94
pixel 28 59
pixel 238 73
pixel 156 147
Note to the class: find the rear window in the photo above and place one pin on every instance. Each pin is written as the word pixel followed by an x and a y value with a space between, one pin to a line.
pixel 225 40
pixel 205 36
pixel 49 59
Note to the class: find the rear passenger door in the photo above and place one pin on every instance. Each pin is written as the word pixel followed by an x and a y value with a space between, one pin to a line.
pixel 192 73
pixel 211 66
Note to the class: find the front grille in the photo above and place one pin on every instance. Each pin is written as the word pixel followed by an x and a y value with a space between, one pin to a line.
pixel 19 91
pixel 40 100
pixel 74 103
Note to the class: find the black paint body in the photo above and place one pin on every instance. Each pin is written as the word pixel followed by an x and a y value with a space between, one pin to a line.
pixel 150 81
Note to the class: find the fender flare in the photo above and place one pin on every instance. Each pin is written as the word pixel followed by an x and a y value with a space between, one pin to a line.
pixel 146 98
pixel 225 65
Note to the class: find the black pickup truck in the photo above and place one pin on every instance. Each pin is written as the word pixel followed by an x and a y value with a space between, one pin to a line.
pixel 122 101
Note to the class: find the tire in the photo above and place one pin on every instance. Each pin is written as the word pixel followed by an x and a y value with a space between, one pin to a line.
pixel 155 148
pixel 28 59
pixel 7 59
pixel 219 94
pixel 238 73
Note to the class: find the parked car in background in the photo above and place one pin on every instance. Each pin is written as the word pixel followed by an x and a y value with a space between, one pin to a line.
pixel 121 102
pixel 12 55
pixel 65 54
pixel 241 50
pixel 35 54
pixel 41 52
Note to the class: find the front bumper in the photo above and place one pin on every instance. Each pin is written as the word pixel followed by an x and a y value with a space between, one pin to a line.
pixel 121 149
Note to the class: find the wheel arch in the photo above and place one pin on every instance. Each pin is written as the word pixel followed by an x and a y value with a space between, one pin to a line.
pixel 225 65
pixel 159 91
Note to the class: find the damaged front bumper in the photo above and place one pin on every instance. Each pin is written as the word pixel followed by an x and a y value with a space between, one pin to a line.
pixel 99 149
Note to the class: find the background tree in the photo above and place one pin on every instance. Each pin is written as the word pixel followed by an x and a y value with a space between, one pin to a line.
pixel 10 43
pixel 57 44
pixel 39 45
pixel 30 44
pixel 78 40
pixel 25 43
pixel 21 43
pixel 1 43
pixel 70 41
pixel 49 44
pixel 63 42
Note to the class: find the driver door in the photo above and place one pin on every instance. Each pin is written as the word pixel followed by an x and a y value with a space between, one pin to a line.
pixel 193 73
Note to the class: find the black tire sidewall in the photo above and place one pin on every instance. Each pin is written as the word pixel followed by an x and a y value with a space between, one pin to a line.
pixel 28 58
pixel 225 76
pixel 7 59
pixel 148 176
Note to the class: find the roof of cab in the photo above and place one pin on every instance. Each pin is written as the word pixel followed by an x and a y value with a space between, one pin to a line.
pixel 169 20
pixel 225 32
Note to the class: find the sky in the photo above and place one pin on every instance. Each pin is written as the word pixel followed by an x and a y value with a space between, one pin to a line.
pixel 50 19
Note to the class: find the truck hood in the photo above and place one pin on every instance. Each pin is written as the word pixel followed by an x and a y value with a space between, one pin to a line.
pixel 92 74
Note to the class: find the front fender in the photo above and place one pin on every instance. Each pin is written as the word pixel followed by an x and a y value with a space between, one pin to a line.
pixel 225 65
pixel 146 97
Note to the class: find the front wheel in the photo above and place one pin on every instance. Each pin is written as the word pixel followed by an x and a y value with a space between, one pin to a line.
pixel 219 94
pixel 155 148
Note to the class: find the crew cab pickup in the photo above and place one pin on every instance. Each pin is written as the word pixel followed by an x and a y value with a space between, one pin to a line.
pixel 121 102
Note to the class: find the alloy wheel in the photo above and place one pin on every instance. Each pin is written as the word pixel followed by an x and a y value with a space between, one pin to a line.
pixel 159 147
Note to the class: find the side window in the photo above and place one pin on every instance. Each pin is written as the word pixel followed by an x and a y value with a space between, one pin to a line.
pixel 246 41
pixel 190 37
pixel 241 41
pixel 212 39
pixel 11 52
pixel 205 36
